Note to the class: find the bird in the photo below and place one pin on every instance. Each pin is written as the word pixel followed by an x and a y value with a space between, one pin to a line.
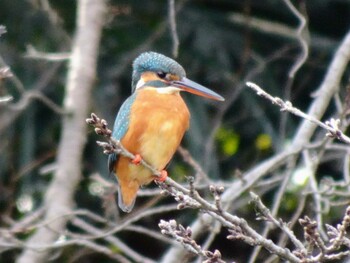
pixel 151 122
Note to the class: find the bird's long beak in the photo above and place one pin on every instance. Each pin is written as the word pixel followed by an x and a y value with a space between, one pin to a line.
pixel 188 85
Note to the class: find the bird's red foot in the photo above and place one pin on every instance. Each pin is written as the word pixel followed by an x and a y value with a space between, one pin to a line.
pixel 137 159
pixel 163 176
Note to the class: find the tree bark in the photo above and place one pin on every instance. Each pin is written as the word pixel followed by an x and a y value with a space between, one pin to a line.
pixel 59 199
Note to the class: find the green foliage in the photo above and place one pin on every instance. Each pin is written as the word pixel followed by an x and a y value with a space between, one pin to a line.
pixel 228 140
pixel 263 142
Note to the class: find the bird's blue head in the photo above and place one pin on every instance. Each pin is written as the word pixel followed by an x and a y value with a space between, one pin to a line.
pixel 156 63
pixel 154 70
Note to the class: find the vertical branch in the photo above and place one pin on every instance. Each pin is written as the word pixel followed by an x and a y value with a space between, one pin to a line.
pixel 311 164
pixel 59 196
pixel 346 171
pixel 329 86
pixel 302 35
pixel 172 23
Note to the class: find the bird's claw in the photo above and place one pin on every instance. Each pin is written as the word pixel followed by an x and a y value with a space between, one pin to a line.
pixel 163 176
pixel 137 159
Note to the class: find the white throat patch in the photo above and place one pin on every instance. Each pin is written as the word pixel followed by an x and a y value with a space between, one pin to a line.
pixel 168 90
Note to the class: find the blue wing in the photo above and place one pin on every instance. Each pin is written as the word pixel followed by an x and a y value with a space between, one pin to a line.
pixel 120 127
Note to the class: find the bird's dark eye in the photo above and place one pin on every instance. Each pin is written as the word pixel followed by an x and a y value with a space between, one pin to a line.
pixel 161 74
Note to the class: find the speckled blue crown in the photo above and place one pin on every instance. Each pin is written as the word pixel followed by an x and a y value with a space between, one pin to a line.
pixel 155 62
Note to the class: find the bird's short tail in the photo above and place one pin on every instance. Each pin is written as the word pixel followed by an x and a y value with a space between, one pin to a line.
pixel 127 194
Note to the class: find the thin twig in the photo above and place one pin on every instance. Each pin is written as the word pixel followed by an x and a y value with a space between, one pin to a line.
pixel 331 126
pixel 172 23
pixel 82 224
pixel 31 52
pixel 302 36
pixel 2 30
pixel 184 237
pixel 195 165
pixel 5 99
pixel 279 223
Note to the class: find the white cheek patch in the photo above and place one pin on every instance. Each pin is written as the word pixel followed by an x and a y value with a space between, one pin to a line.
pixel 140 83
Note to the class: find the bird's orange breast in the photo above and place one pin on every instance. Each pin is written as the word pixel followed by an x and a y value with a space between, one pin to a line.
pixel 157 124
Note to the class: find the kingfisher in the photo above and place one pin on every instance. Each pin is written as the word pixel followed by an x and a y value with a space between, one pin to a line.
pixel 151 122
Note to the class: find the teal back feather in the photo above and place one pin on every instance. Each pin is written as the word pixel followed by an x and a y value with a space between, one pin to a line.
pixel 120 127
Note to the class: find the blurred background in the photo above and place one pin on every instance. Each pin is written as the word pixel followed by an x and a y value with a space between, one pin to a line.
pixel 223 44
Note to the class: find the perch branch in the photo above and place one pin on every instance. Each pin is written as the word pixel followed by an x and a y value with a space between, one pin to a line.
pixel 191 198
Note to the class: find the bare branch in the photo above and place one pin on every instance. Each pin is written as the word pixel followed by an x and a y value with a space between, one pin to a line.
pixel 200 174
pixel 183 236
pixel 172 23
pixel 59 197
pixel 324 94
pixel 302 35
pixel 31 52
pixel 331 126
pixel 2 30
pixel 268 216
pixel 5 99
pixel 27 96
pixel 112 240
pixel 5 72
pixel 279 29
